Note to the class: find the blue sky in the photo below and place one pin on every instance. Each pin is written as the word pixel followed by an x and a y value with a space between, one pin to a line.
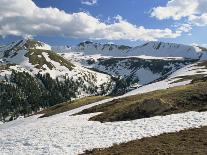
pixel 130 12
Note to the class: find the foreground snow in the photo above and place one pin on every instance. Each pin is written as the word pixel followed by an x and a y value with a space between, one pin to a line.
pixel 65 134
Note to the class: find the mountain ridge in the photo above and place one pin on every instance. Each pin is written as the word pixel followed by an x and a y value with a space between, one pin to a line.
pixel 147 49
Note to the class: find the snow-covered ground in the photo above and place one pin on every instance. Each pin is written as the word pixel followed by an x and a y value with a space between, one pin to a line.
pixel 66 134
pixel 164 84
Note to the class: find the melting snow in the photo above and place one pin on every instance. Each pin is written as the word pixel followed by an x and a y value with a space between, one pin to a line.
pixel 65 134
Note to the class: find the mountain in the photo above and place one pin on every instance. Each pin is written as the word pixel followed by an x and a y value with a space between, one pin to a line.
pixel 36 57
pixel 92 48
pixel 161 49
pixel 149 50
pixel 136 66
pixel 32 77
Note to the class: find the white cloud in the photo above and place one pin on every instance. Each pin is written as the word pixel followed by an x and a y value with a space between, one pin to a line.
pixel 194 10
pixel 199 20
pixel 89 2
pixel 24 18
pixel 176 9
pixel 184 27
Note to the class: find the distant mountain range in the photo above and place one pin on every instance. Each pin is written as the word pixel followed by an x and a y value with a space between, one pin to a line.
pixel 147 50
pixel 135 65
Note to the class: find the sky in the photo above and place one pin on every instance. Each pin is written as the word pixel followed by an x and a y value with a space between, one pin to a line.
pixel 130 22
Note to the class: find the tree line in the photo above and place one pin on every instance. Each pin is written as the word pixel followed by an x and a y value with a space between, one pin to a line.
pixel 24 94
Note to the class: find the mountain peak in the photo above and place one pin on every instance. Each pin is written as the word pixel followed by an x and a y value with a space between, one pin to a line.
pixel 34 44
pixel 86 43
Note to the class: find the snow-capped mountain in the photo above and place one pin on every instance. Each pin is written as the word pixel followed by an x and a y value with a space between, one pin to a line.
pixel 91 62
pixel 92 48
pixel 161 49
pixel 36 57
pixel 150 50
pixel 136 65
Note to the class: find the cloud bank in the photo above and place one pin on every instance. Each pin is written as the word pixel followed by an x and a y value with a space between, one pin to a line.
pixel 194 10
pixel 25 18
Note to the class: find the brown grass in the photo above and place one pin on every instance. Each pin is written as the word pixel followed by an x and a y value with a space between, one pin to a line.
pixel 66 106
pixel 188 142
pixel 161 102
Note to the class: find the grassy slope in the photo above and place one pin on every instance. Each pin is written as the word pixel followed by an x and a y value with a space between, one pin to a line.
pixel 33 54
pixel 40 61
pixel 188 142
pixel 161 102
pixel 66 106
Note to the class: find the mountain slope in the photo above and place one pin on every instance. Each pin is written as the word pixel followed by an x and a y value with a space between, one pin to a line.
pixel 36 57
pixel 33 77
pixel 85 70
pixel 182 76
pixel 66 134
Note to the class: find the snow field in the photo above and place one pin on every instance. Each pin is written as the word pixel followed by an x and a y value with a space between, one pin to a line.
pixel 65 134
